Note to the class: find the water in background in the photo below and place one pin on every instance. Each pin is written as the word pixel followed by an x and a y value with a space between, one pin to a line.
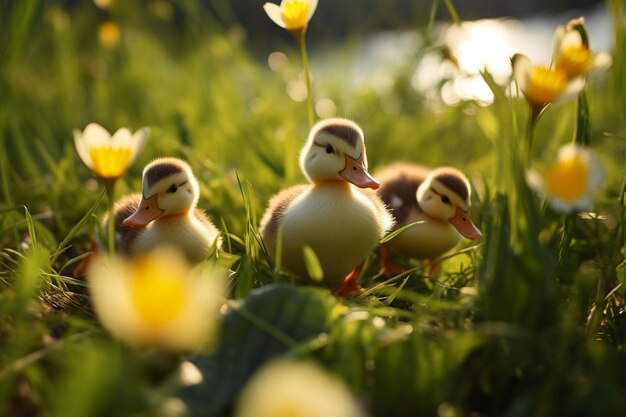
pixel 476 45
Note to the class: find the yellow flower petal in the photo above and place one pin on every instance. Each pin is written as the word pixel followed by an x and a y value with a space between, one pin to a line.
pixel 574 61
pixel 158 290
pixel 109 162
pixel 571 181
pixel 545 85
pixel 291 14
pixel 109 34
pixel 295 13
pixel 158 300
pixel 567 178
pixel 108 157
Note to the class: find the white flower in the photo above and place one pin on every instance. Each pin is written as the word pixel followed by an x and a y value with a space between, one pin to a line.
pixel 291 14
pixel 571 182
pixel 572 56
pixel 542 85
pixel 157 300
pixel 108 156
pixel 295 389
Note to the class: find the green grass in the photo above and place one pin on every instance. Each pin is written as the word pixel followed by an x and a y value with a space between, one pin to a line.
pixel 543 333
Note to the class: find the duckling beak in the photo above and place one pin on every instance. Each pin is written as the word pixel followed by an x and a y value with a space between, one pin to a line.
pixel 462 221
pixel 356 173
pixel 147 211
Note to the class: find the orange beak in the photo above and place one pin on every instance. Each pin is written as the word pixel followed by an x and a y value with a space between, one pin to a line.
pixel 462 221
pixel 147 211
pixel 356 173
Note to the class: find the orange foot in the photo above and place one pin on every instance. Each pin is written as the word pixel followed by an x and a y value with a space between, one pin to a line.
pixel 81 269
pixel 350 283
pixel 433 266
pixel 389 266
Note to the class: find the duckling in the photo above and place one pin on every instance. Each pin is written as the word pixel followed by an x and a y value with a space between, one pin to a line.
pixel 439 197
pixel 332 215
pixel 166 213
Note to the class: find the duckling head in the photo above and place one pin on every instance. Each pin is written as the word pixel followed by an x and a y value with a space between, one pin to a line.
pixel 445 195
pixel 169 188
pixel 335 151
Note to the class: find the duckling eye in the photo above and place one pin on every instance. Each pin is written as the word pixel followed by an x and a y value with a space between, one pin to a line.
pixel 445 199
pixel 329 148
pixel 172 188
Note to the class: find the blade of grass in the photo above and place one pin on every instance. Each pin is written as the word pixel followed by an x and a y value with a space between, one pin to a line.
pixel 77 227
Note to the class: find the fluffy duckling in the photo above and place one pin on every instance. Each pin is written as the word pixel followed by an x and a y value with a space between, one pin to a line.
pixel 440 197
pixel 166 213
pixel 332 215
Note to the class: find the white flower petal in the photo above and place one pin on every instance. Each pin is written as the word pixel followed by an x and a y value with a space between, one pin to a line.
pixel 122 138
pixel 571 38
pixel 601 60
pixel 137 141
pixel 312 7
pixel 108 289
pixel 574 87
pixel 557 39
pixel 96 135
pixel 81 148
pixel 522 69
pixel 287 387
pixel 275 13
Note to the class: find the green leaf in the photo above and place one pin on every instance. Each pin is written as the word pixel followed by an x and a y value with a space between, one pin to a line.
pixel 397 232
pixel 267 323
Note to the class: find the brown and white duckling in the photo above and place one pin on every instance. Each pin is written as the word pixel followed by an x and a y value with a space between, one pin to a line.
pixel 439 197
pixel 166 213
pixel 332 215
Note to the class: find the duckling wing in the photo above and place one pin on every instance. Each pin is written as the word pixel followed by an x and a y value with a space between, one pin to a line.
pixel 384 217
pixel 208 225
pixel 124 236
pixel 399 183
pixel 273 217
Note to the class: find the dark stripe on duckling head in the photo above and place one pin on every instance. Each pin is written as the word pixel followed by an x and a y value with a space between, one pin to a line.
pixel 161 170
pixel 344 132
pixel 454 184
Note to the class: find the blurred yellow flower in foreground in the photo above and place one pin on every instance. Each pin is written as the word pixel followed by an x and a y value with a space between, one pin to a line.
pixel 571 182
pixel 542 85
pixel 292 15
pixel 108 156
pixel 157 300
pixel 572 56
pixel 109 34
pixel 296 389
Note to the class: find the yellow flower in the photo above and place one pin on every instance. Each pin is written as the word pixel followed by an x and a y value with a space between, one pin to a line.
pixel 571 182
pixel 572 56
pixel 108 156
pixel 292 15
pixel 288 388
pixel 157 300
pixel 542 85
pixel 109 34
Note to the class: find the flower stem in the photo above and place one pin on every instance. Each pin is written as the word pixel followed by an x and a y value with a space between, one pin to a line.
pixel 110 186
pixel 300 37
pixel 533 117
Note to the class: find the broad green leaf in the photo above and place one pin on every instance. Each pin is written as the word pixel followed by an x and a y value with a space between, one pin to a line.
pixel 267 323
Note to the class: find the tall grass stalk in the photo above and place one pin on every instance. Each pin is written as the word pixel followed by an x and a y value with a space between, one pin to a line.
pixel 300 36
